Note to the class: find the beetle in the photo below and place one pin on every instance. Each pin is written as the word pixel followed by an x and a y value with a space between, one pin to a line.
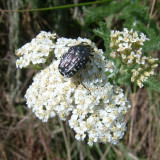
pixel 75 59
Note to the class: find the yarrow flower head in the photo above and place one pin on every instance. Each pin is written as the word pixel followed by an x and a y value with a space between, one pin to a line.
pixel 96 107
pixel 142 73
pixel 36 51
pixel 127 46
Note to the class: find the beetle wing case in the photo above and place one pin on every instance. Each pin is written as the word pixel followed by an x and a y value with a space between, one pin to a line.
pixel 75 59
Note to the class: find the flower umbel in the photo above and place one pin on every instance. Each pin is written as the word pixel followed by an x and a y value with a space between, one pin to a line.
pixel 142 73
pixel 97 107
pixel 127 46
pixel 36 51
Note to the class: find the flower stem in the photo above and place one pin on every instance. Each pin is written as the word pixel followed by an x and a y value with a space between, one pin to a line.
pixel 57 7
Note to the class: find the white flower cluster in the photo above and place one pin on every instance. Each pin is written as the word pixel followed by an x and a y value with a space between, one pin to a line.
pixel 142 73
pixel 36 51
pixel 97 108
pixel 126 45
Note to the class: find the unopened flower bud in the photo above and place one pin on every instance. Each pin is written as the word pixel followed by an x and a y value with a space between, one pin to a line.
pixel 147 74
pixel 154 66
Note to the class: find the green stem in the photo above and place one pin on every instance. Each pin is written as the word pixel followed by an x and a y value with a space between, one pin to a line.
pixel 118 74
pixel 117 77
pixel 57 7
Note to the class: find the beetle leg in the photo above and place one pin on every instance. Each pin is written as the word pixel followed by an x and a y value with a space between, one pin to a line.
pixel 81 81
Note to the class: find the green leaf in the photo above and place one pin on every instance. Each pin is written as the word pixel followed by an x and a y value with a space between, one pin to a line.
pixel 135 10
pixel 152 44
pixel 96 14
pixel 147 31
pixel 153 84
pixel 104 33
pixel 125 79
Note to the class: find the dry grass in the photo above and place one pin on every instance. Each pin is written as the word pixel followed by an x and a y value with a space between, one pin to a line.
pixel 24 137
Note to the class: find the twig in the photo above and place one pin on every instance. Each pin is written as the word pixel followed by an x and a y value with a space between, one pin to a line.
pixel 106 152
pixel 151 12
pixel 134 100
pixel 65 139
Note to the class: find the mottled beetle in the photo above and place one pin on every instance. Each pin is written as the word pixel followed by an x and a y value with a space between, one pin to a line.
pixel 75 59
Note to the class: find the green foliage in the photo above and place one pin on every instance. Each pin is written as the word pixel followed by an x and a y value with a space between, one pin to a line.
pixel 153 84
pixel 97 14
pixel 147 31
pixel 134 13
pixel 104 33
pixel 124 79
pixel 152 44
